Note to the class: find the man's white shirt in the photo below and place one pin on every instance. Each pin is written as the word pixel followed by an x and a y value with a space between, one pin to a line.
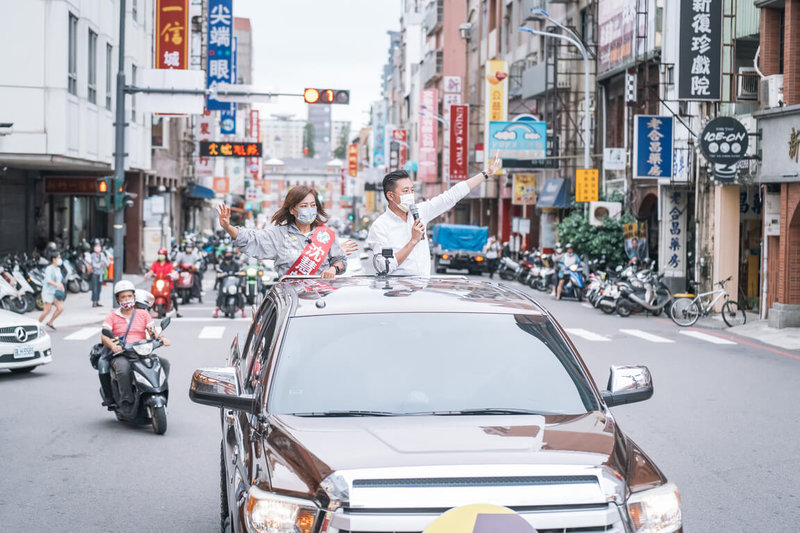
pixel 391 231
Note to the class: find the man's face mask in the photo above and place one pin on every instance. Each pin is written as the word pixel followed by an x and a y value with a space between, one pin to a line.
pixel 306 215
pixel 97 249
pixel 406 200
pixel 127 305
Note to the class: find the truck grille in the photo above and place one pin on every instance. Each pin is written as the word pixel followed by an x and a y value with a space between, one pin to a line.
pixel 575 503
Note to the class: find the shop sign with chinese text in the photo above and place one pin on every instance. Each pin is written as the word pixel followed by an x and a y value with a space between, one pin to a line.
pixel 378 127
pixel 398 149
pixel 459 136
pixel 673 227
pixel 518 139
pixel 496 102
pixel 587 184
pixel 428 133
pixel 204 165
pixel 219 63
pixel 653 151
pixel 352 160
pixel 172 38
pixel 700 55
pixel 524 189
pixel 229 149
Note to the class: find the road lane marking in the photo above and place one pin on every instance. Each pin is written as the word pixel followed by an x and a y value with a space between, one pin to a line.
pixel 209 319
pixel 588 335
pixel 587 305
pixel 706 337
pixel 212 332
pixel 82 334
pixel 646 336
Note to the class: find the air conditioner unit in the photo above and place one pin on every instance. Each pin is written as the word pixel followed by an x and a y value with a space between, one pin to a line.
pixel 771 94
pixel 747 86
pixel 599 211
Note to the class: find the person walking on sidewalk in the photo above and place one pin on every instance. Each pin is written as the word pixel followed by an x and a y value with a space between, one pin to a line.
pixel 53 290
pixel 493 249
pixel 98 263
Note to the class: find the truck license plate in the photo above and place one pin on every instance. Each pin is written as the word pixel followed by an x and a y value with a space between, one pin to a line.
pixel 444 261
pixel 23 352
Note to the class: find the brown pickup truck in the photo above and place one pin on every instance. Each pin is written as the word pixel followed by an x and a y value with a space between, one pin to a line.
pixel 379 404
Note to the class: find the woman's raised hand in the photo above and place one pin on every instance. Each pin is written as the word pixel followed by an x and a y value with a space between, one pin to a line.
pixel 350 246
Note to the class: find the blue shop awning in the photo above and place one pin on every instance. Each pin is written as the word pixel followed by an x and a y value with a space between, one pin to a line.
pixel 554 194
pixel 198 191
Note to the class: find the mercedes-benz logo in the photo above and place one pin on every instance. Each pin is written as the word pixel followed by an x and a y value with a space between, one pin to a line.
pixel 22 335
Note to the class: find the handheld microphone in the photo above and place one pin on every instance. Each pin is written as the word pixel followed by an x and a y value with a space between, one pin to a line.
pixel 414 211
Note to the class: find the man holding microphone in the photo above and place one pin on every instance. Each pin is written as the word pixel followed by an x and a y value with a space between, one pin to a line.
pixel 402 226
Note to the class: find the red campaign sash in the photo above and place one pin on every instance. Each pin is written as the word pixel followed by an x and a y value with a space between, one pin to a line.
pixel 314 253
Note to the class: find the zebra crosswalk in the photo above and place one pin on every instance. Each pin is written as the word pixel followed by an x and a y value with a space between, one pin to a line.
pixel 223 328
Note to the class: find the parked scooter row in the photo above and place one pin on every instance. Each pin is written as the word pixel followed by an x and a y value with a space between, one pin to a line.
pixel 630 290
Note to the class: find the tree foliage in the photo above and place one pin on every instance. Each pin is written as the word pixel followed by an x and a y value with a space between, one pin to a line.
pixel 308 140
pixel 593 241
pixel 341 148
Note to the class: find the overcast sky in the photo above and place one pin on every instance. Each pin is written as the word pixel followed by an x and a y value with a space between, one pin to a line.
pixel 337 44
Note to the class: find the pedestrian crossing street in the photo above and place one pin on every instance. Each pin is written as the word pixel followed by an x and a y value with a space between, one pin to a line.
pixel 219 331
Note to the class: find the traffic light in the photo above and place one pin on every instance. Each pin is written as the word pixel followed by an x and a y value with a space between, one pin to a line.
pixel 103 191
pixel 326 96
pixel 350 216
pixel 122 198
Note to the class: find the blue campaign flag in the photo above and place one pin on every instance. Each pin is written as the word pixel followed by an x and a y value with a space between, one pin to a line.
pixel 524 139
pixel 653 149
pixel 219 63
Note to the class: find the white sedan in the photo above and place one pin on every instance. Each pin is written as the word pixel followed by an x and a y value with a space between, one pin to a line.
pixel 24 344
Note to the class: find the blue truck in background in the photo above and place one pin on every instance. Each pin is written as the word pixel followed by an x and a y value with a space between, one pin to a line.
pixel 459 247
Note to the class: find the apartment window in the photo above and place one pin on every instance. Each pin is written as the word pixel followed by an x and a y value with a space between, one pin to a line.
pixel 133 97
pixel 92 69
pixel 109 73
pixel 72 61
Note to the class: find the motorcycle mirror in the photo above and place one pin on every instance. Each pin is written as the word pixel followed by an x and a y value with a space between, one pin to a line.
pixel 165 322
pixel 107 333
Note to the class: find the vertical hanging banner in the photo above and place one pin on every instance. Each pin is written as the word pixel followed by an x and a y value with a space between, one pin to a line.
pixel 172 37
pixel 673 227
pixel 496 97
pixel 378 132
pixel 219 63
pixel 398 149
pixel 428 133
pixel 204 166
pixel 227 117
pixel 459 135
pixel 653 150
pixel 254 135
pixel 700 55
pixel 352 160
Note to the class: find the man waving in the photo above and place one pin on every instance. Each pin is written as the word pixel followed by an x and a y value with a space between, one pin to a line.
pixel 402 226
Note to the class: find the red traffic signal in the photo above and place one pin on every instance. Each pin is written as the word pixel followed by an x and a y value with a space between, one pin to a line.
pixel 326 96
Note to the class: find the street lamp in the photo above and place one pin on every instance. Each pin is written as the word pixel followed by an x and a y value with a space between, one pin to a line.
pixel 541 13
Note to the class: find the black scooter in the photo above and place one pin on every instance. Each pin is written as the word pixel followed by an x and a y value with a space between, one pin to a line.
pixel 230 287
pixel 150 386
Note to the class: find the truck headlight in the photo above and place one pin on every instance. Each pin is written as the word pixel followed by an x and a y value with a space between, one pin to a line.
pixel 269 513
pixel 146 348
pixel 656 510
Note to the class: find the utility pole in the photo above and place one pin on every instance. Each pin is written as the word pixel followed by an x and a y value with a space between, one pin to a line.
pixel 119 156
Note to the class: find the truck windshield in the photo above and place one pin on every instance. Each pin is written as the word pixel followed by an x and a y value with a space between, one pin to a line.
pixel 427 363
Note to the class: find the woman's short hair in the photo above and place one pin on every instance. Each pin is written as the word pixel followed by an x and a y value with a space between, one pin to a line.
pixel 297 194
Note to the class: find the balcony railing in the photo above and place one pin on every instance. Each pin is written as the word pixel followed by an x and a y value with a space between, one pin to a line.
pixel 434 14
pixel 431 69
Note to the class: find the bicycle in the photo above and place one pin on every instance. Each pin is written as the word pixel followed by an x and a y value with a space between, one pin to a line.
pixel 686 311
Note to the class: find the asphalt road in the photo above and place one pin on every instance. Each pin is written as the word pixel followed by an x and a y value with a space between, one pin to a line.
pixel 722 425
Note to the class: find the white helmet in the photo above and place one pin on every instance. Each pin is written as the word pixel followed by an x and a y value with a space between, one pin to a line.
pixel 123 286
pixel 143 299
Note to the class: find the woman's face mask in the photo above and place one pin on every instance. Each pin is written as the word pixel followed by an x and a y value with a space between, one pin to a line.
pixel 59 261
pixel 306 215
pixel 162 258
pixel 97 249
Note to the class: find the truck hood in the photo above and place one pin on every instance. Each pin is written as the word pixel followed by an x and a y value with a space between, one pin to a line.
pixel 304 451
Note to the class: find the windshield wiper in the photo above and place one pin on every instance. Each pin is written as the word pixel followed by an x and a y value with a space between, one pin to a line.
pixel 485 411
pixel 343 413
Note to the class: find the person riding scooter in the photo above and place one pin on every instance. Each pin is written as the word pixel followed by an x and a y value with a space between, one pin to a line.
pixel 131 325
pixel 567 260
pixel 191 257
pixel 225 267
pixel 162 268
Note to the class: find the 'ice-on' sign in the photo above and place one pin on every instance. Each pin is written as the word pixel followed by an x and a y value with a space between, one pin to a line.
pixel 724 140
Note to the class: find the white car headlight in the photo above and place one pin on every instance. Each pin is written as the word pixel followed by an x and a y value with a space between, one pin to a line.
pixel 146 348
pixel 656 510
pixel 270 513
pixel 42 332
